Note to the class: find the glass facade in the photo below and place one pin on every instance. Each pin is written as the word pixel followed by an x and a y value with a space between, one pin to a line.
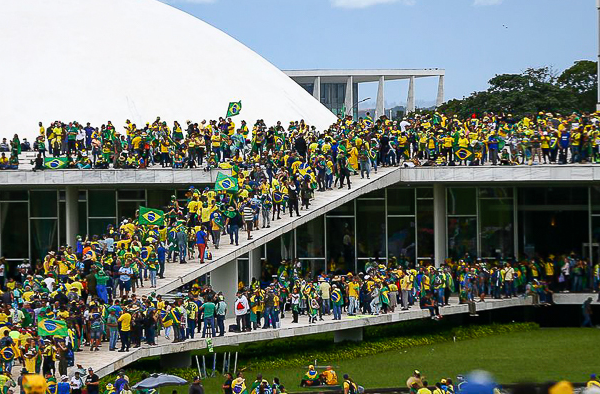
pixel 395 223
pixel 333 96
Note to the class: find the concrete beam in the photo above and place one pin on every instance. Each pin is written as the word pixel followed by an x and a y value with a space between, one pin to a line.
pixel 440 94
pixel 94 178
pixel 352 335
pixel 72 214
pixel 410 101
pixel 349 102
pixel 439 223
pixel 317 88
pixel 380 105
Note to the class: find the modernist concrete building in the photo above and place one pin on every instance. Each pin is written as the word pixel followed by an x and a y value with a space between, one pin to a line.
pixel 422 214
pixel 338 89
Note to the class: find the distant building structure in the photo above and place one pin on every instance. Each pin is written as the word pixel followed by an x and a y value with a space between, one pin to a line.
pixel 338 89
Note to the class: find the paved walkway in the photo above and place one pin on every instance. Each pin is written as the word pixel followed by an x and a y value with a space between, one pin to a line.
pixel 105 362
pixel 177 274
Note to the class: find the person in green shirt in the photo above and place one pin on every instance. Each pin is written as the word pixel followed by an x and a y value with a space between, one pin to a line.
pixel 101 281
pixel 209 317
pixel 112 323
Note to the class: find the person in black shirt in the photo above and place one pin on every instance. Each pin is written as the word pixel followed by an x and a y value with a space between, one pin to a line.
pixel 196 387
pixel 227 385
pixel 92 382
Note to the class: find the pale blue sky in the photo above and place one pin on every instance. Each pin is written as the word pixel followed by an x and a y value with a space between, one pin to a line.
pixel 472 39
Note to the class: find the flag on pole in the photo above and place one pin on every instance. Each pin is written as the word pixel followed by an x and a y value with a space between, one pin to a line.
pixel 50 327
pixel 150 216
pixel 226 183
pixel 56 163
pixel 234 108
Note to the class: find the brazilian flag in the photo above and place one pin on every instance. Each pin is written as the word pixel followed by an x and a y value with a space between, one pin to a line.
pixel 463 153
pixel 56 163
pixel 234 108
pixel 50 327
pixel 150 216
pixel 226 183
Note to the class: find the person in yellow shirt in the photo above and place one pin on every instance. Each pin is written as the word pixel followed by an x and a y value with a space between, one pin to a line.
pixel 164 152
pixel 125 331
pixel 424 389
pixel 329 376
pixel 352 290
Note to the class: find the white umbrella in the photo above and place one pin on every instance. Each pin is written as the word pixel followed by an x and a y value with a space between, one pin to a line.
pixel 159 380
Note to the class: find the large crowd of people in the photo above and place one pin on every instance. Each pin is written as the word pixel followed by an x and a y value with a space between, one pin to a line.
pixel 84 295
pixel 417 139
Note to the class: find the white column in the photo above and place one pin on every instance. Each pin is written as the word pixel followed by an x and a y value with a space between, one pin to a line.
pixel 380 106
pixel 255 266
pixel 72 215
pixel 317 88
pixel 440 95
pixel 349 102
pixel 224 279
pixel 439 223
pixel 410 101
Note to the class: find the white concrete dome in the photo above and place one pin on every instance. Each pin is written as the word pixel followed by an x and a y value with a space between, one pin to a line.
pixel 99 60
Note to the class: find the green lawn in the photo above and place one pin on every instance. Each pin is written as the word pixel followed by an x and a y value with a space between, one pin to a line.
pixel 538 356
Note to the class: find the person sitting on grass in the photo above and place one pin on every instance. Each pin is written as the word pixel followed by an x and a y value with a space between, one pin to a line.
pixel 329 377
pixel 311 377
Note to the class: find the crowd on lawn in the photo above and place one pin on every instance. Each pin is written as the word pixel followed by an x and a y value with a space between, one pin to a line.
pixel 476 382
pixel 417 139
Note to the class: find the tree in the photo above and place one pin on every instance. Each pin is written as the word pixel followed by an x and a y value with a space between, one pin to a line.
pixel 532 91
pixel 582 79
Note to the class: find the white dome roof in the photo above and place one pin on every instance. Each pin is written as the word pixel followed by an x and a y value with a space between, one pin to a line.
pixel 99 60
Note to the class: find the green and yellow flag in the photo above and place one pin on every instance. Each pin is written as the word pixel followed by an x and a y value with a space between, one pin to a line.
pixel 234 108
pixel 50 327
pixel 226 183
pixel 150 216
pixel 56 163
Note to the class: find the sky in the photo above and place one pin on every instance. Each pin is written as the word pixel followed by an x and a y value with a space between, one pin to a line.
pixel 473 40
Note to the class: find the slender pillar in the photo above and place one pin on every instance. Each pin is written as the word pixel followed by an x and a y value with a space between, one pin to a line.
pixel 351 335
pixel 72 214
pixel 224 279
pixel 440 95
pixel 317 88
pixel 176 360
pixel 410 101
pixel 349 102
pixel 439 223
pixel 380 106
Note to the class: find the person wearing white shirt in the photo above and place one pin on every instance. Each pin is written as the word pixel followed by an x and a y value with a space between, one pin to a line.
pixel 241 308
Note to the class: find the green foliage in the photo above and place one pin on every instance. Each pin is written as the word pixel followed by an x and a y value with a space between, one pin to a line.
pixel 532 91
pixel 582 80
pixel 350 350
